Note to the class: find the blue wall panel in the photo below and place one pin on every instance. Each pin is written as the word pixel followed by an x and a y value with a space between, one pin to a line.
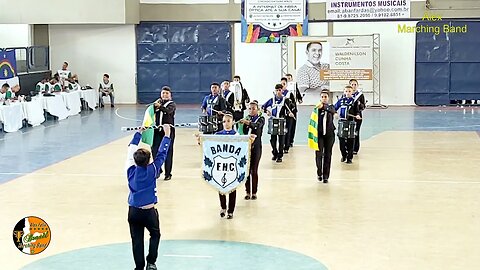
pixel 186 56
pixel 448 64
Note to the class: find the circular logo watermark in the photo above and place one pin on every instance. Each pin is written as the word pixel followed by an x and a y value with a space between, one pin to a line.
pixel 31 235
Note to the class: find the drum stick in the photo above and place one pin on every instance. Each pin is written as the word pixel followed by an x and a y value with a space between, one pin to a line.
pixel 354 116
pixel 219 112
pixel 290 112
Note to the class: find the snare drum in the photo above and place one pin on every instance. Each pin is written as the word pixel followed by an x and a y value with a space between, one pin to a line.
pixel 346 129
pixel 207 124
pixel 276 126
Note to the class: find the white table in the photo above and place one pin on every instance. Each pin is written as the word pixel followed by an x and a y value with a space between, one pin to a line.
pixel 11 116
pixel 33 111
pixel 55 105
pixel 72 102
pixel 90 96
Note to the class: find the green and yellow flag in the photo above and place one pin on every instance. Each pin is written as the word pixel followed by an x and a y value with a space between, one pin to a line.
pixel 312 130
pixel 148 121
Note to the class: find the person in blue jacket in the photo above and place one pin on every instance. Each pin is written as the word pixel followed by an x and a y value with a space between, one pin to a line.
pixel 142 199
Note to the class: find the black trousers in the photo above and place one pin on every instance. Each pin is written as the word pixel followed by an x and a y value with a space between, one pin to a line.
pixel 323 157
pixel 278 153
pixel 252 178
pixel 294 127
pixel 232 197
pixel 356 146
pixel 157 139
pixel 290 133
pixel 138 220
pixel 346 147
pixel 237 116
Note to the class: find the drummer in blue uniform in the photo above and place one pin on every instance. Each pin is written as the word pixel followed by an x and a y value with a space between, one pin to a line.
pixel 277 108
pixel 214 105
pixel 348 110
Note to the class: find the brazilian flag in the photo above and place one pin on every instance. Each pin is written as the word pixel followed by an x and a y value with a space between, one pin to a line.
pixel 148 121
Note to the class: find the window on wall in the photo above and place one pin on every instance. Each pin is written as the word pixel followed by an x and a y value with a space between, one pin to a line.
pixel 188 57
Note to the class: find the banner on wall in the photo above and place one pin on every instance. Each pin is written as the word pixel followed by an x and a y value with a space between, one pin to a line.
pixel 265 21
pixel 329 63
pixel 367 10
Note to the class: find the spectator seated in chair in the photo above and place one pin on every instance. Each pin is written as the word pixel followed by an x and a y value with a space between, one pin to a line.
pixel 106 89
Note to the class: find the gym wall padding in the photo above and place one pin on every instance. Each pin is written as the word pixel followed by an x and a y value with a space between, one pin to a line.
pixel 447 65
pixel 188 57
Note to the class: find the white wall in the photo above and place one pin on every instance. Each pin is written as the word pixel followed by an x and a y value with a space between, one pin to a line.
pixel 397 58
pixel 258 65
pixel 92 50
pixel 15 35
pixel 62 11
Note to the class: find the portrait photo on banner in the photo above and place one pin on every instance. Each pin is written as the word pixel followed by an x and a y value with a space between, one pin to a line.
pixel 311 56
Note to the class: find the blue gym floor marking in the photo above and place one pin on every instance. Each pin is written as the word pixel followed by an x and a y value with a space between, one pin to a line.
pixel 183 255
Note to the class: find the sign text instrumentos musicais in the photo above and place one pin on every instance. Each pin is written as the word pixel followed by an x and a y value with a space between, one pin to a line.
pixel 354 4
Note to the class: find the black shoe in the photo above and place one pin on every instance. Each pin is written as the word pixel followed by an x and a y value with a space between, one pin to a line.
pixel 113 106
pixel 247 197
pixel 355 152
pixel 254 196
pixel 279 160
pixel 343 159
pixel 291 145
pixel 230 216
pixel 325 181
pixel 222 213
pixel 151 266
pixel 274 158
pixel 349 161
pixel 168 177
pixel 101 106
pixel 319 178
pixel 285 151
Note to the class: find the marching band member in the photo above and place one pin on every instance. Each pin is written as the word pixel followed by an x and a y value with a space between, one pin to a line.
pixel 242 97
pixel 289 119
pixel 279 107
pixel 229 97
pixel 297 98
pixel 253 124
pixel 142 199
pixel 321 135
pixel 232 196
pixel 348 110
pixel 214 104
pixel 360 98
pixel 164 114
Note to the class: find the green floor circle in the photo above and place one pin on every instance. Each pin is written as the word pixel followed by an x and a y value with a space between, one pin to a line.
pixel 183 255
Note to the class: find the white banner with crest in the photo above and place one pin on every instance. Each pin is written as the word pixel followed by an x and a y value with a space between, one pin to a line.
pixel 226 161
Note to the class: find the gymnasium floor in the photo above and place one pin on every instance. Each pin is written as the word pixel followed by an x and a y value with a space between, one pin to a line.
pixel 409 201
